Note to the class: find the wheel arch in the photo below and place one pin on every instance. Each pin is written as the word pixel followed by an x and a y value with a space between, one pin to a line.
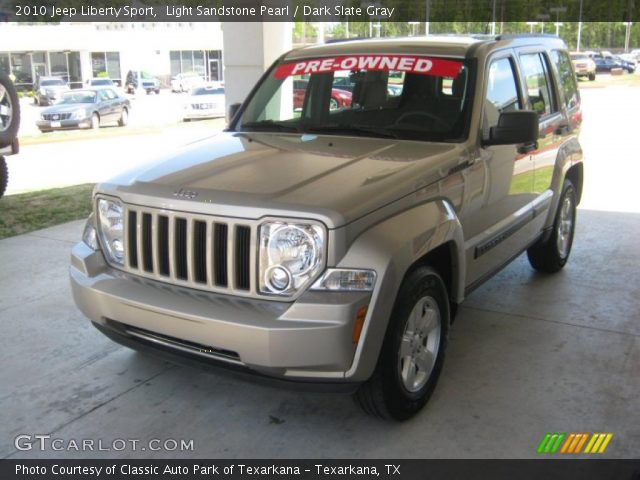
pixel 426 234
pixel 576 175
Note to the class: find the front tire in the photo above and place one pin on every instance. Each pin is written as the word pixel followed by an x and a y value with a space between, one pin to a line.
pixel 412 354
pixel 4 176
pixel 124 118
pixel 95 122
pixel 592 77
pixel 552 254
pixel 9 111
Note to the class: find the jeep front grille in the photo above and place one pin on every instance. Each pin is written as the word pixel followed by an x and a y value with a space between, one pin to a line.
pixel 191 250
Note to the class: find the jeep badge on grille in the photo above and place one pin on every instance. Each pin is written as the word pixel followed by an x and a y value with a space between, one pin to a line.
pixel 182 193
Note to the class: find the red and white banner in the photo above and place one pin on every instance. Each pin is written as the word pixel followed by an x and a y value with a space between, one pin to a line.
pixel 398 63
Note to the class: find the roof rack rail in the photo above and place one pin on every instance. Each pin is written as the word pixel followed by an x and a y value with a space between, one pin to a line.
pixel 352 39
pixel 506 36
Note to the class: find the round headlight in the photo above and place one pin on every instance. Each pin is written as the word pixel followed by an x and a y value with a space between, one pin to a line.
pixel 291 256
pixel 293 248
pixel 111 229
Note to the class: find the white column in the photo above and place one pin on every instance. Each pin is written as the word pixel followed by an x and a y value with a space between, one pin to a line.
pixel 249 49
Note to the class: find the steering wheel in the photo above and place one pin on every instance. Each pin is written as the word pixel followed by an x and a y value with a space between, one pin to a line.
pixel 402 118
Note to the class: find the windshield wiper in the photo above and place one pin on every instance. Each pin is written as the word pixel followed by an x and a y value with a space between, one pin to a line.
pixel 360 130
pixel 270 126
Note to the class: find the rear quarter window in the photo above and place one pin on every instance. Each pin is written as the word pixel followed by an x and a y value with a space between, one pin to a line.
pixel 538 83
pixel 566 78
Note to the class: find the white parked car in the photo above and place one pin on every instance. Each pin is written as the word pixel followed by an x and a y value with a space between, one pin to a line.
pixel 206 101
pixel 99 82
pixel 183 82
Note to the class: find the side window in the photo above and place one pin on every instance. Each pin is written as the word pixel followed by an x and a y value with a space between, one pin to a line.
pixel 566 78
pixel 537 80
pixel 502 93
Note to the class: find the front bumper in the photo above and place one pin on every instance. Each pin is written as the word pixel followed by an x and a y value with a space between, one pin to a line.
pixel 63 124
pixel 208 113
pixel 309 340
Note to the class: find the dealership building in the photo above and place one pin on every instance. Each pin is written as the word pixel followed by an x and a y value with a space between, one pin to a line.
pixel 79 51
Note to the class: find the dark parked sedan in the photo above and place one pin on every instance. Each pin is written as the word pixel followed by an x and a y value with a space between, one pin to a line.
pixel 607 64
pixel 88 108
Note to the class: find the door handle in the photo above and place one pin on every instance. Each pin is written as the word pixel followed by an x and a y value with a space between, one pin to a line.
pixel 528 147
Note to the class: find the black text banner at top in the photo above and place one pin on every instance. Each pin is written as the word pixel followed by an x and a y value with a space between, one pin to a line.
pixel 484 11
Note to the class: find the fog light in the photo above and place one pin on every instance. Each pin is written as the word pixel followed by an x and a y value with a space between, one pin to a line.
pixel 278 278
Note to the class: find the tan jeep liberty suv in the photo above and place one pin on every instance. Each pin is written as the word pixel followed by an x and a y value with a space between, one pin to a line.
pixel 330 247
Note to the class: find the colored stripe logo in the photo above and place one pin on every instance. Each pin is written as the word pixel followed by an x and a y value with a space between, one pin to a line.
pixel 574 443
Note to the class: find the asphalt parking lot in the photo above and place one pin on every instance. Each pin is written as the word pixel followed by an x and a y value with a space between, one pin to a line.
pixel 528 354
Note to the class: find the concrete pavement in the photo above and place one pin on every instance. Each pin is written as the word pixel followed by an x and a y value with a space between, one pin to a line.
pixel 528 354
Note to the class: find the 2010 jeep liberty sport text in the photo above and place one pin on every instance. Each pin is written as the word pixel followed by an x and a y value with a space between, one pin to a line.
pixel 329 245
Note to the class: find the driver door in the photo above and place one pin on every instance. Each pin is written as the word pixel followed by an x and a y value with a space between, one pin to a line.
pixel 497 227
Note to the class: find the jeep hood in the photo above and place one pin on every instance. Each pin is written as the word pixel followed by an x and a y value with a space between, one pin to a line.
pixel 334 179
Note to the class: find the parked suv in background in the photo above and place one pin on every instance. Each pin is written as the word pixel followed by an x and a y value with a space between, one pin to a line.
pixel 141 80
pixel 583 65
pixel 49 90
pixel 331 246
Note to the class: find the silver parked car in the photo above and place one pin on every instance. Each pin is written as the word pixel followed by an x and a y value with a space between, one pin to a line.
pixel 49 90
pixel 100 82
pixel 331 247
pixel 87 108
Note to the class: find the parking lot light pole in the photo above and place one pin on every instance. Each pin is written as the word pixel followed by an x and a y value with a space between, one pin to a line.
pixel 579 28
pixel 627 36
pixel 543 17
pixel 427 16
pixel 558 10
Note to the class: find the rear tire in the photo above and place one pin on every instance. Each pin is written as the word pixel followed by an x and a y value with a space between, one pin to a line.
pixel 4 176
pixel 412 354
pixel 552 254
pixel 9 111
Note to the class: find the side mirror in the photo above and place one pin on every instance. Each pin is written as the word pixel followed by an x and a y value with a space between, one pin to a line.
pixel 233 109
pixel 514 128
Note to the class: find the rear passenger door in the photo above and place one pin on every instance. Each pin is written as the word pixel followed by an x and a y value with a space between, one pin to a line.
pixel 541 97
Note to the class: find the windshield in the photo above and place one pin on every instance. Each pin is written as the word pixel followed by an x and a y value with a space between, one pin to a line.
pixel 579 56
pixel 398 96
pixel 52 83
pixel 146 76
pixel 78 97
pixel 207 91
